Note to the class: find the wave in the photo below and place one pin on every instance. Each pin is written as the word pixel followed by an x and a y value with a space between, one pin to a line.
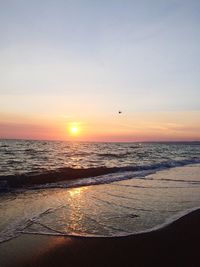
pixel 70 177
pixel 114 155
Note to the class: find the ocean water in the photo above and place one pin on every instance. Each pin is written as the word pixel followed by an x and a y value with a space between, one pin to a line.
pixel 143 186
pixel 32 156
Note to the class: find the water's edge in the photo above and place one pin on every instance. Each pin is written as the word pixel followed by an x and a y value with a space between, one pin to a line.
pixel 167 222
pixel 69 177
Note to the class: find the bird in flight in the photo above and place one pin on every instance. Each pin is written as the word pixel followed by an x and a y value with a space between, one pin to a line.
pixel 119 111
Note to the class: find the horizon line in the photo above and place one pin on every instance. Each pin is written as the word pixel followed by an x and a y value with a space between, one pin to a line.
pixel 81 141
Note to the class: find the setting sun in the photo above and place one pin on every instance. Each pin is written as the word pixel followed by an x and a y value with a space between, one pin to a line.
pixel 74 129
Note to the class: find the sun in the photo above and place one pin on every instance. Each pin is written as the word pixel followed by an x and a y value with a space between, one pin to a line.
pixel 74 129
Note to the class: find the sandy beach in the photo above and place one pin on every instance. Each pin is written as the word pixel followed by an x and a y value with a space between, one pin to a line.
pixel 173 245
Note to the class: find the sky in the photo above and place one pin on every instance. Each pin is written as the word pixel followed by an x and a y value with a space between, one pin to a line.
pixel 67 62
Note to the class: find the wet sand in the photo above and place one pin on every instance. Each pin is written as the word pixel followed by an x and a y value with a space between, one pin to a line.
pixel 174 245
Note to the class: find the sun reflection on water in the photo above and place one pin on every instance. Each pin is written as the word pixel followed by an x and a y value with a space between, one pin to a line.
pixel 75 192
pixel 76 204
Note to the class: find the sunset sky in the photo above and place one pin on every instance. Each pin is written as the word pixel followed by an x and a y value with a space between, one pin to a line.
pixel 78 62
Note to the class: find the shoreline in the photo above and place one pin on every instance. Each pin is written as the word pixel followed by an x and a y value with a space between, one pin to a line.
pixel 168 222
pixel 176 244
pixel 56 178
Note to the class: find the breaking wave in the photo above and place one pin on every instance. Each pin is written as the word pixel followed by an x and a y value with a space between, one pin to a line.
pixel 73 177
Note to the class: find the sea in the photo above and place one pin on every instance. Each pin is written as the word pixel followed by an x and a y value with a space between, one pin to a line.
pixel 119 188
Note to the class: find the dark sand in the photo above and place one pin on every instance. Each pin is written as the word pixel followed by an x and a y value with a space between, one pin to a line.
pixel 175 245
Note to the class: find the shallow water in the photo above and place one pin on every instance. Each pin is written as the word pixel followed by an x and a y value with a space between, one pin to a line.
pixel 118 208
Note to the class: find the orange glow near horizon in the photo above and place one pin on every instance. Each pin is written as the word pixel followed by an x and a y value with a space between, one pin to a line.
pixel 163 126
